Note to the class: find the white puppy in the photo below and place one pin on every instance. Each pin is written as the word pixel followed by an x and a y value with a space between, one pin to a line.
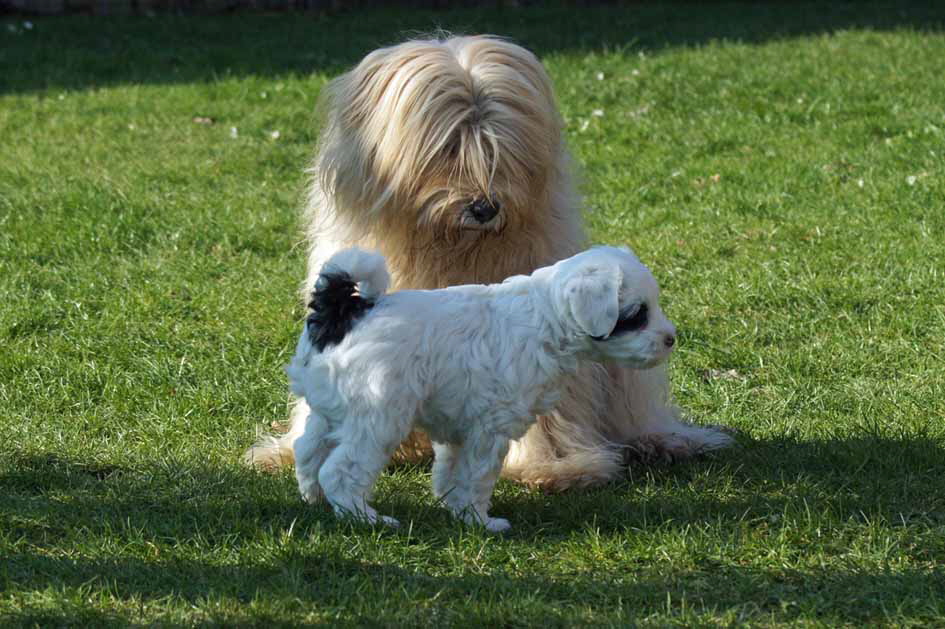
pixel 470 365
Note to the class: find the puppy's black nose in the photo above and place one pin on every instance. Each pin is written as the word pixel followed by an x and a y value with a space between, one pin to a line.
pixel 483 210
pixel 670 340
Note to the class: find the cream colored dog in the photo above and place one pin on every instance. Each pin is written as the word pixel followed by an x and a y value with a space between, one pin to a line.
pixel 446 155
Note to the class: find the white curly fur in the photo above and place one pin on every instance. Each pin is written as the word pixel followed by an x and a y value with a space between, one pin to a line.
pixel 471 365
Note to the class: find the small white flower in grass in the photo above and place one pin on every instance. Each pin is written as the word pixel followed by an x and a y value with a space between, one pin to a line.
pixel 28 25
pixel 598 113
pixel 62 97
pixel 584 124
pixel 860 183
pixel 600 76
pixel 275 134
pixel 234 132
pixel 263 95
pixel 635 72
pixel 131 126
pixel 911 179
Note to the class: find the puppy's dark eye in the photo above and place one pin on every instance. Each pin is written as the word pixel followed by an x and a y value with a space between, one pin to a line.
pixel 630 320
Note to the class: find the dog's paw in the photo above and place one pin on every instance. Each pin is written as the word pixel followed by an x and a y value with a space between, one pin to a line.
pixel 670 447
pixel 497 525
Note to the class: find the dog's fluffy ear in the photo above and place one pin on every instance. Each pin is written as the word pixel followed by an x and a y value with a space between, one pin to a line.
pixel 590 295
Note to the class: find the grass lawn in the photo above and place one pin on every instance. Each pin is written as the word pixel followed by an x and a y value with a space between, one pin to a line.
pixel 780 166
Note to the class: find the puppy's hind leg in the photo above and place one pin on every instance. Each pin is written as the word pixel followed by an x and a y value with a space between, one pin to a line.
pixel 466 476
pixel 348 474
pixel 310 451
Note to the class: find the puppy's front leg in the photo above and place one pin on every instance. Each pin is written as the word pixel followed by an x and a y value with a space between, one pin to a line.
pixel 444 465
pixel 466 476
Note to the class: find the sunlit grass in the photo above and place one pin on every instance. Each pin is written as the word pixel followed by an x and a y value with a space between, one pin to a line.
pixel 781 169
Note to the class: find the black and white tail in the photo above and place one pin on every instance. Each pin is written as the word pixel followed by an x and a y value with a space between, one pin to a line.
pixel 347 287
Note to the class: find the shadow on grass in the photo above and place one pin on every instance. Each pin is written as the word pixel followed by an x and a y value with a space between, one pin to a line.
pixel 894 479
pixel 54 505
pixel 772 481
pixel 385 593
pixel 83 52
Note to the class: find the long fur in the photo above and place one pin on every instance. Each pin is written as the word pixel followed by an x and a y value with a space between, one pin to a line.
pixel 414 134
pixel 472 365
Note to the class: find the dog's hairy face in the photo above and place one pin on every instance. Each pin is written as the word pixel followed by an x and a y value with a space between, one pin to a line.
pixel 611 302
pixel 455 139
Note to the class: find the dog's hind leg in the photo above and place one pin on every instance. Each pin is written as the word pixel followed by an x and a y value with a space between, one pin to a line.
pixel 558 453
pixel 466 476
pixel 271 452
pixel 569 446
pixel 644 418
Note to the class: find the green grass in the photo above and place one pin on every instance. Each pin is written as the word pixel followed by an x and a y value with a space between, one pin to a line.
pixel 780 166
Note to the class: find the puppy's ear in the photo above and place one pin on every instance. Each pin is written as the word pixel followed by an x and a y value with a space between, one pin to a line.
pixel 590 294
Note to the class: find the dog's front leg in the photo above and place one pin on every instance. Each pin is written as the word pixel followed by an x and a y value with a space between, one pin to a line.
pixel 464 477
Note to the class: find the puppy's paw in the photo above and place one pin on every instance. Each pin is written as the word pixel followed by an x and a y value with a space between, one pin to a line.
pixel 311 493
pixel 497 525
pixel 374 518
pixel 389 521
pixel 366 515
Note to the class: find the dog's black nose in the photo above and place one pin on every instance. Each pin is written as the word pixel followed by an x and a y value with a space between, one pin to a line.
pixel 670 340
pixel 483 210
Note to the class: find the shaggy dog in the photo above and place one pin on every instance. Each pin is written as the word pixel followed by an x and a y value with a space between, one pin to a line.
pixel 471 365
pixel 446 155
